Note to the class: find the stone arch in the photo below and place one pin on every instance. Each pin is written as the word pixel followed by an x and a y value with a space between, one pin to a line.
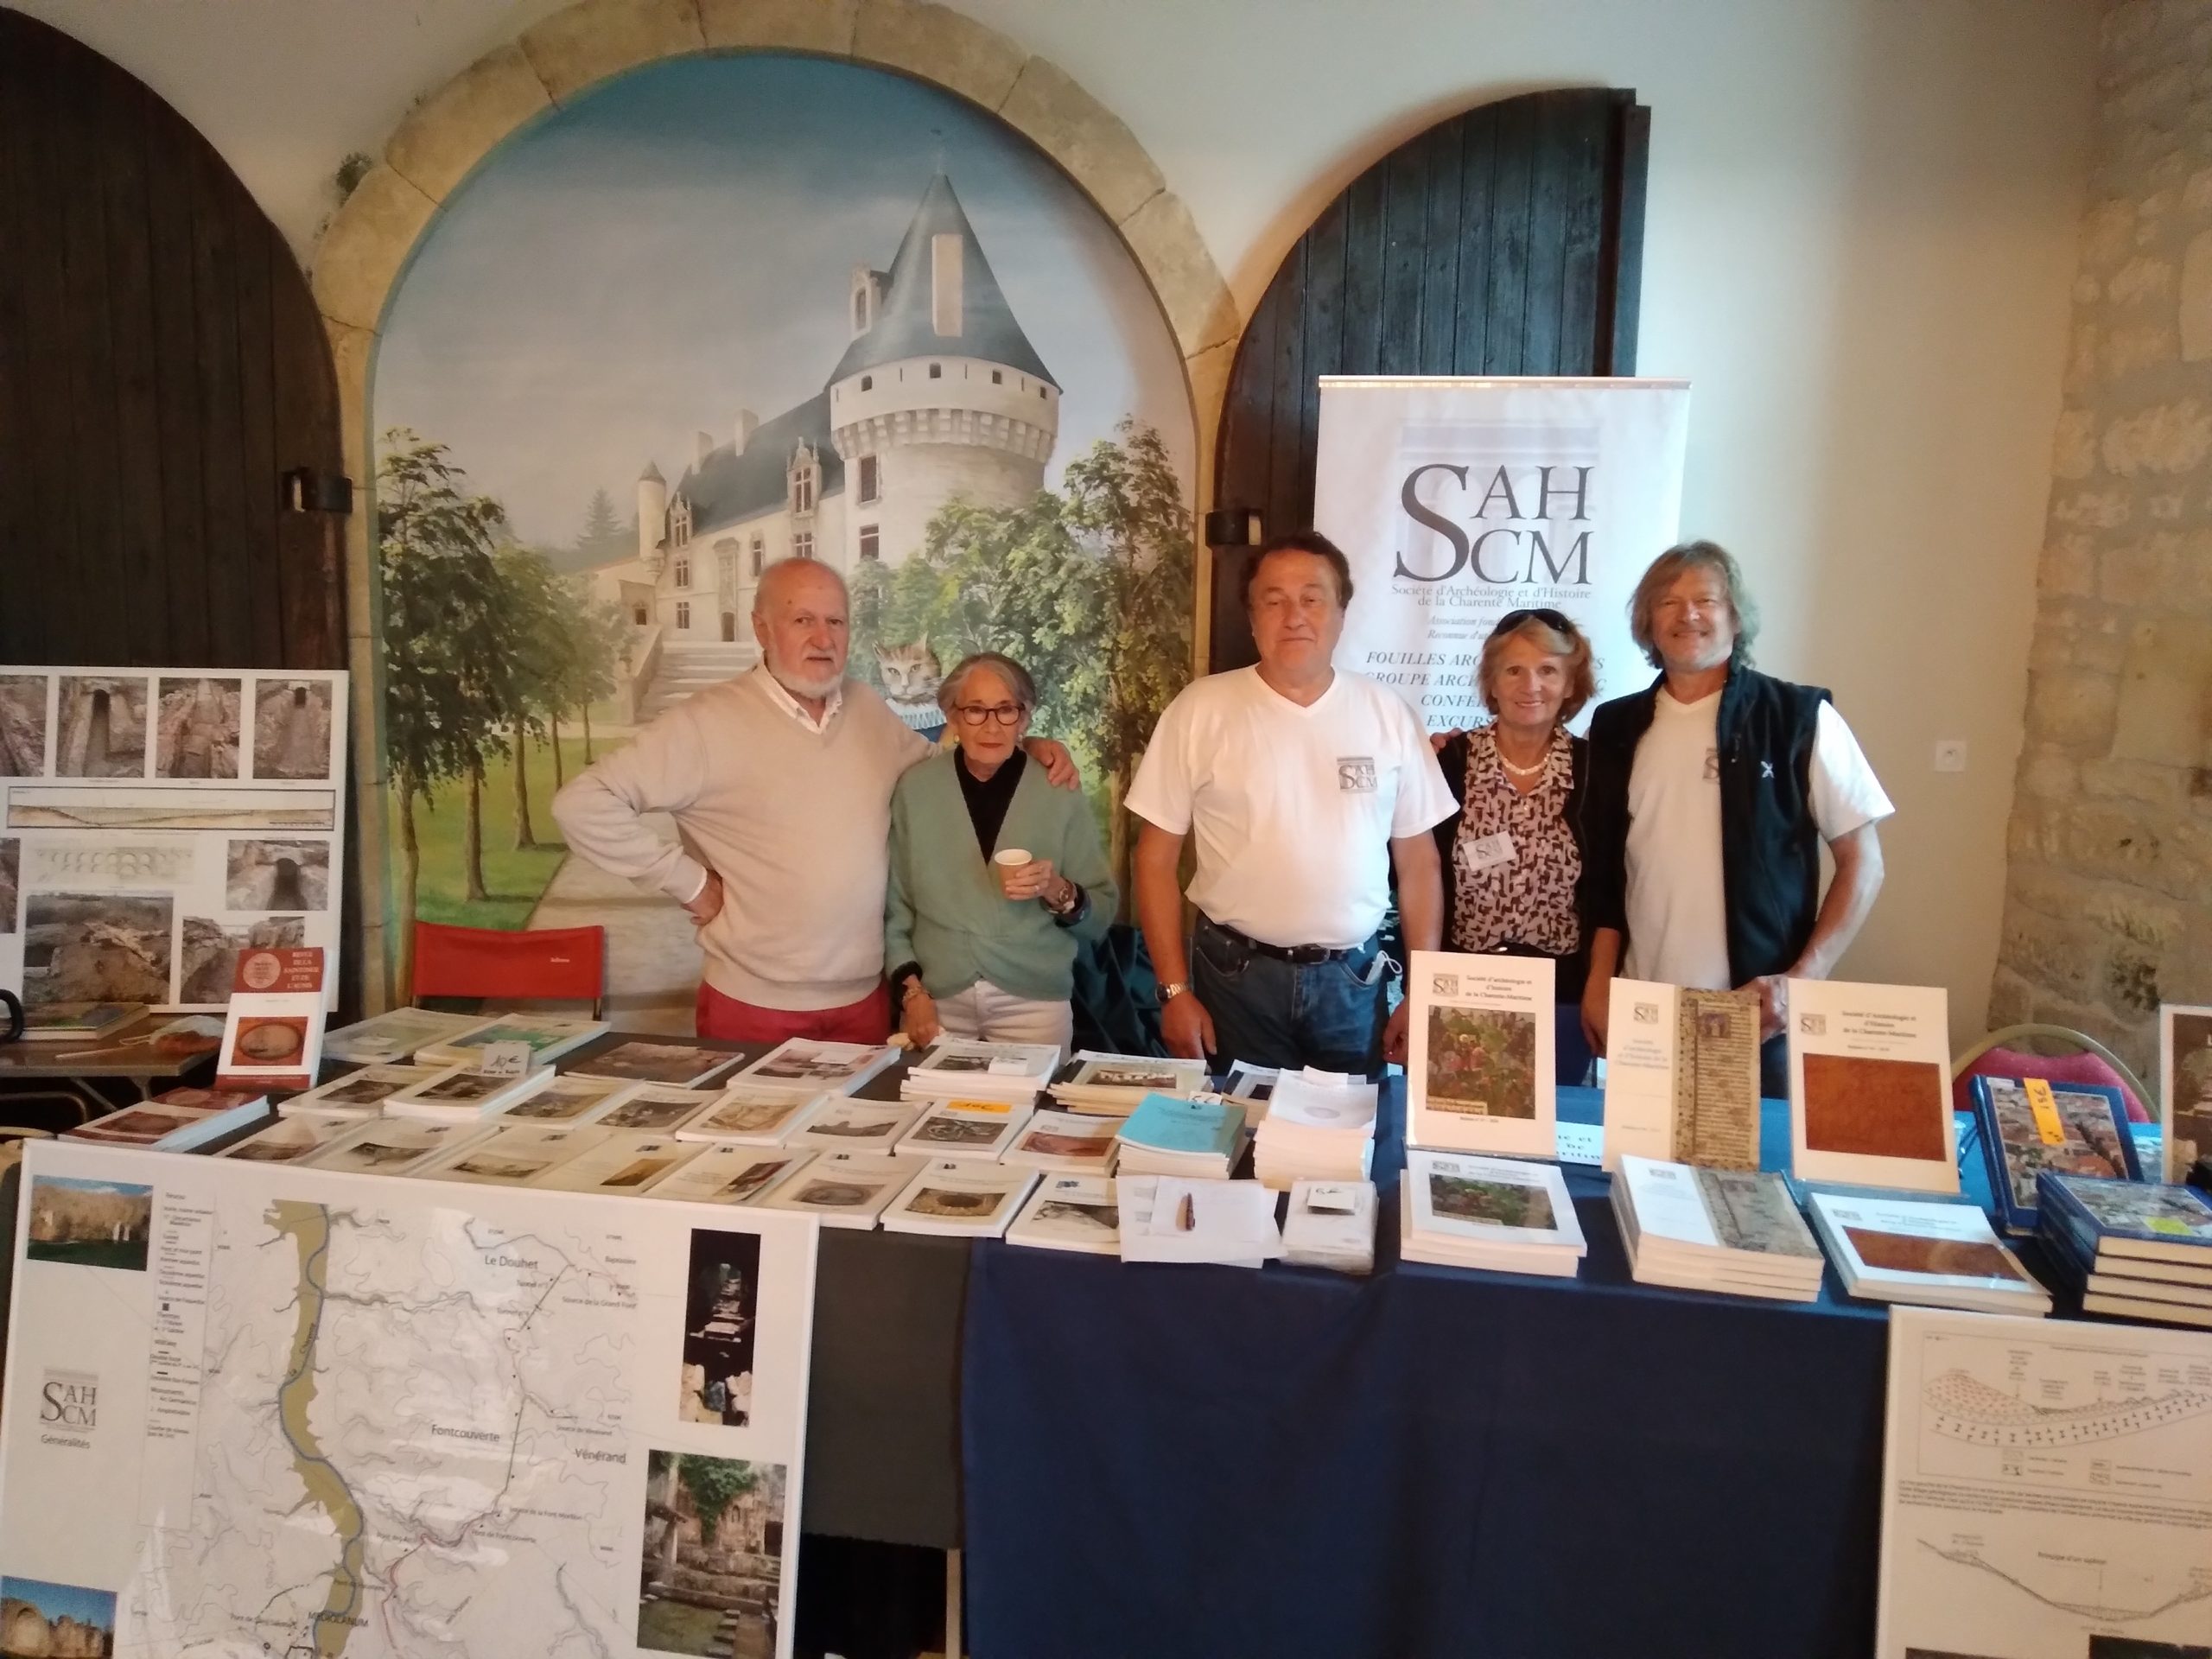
pixel 365 248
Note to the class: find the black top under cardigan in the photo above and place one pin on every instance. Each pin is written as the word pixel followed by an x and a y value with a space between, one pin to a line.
pixel 1575 968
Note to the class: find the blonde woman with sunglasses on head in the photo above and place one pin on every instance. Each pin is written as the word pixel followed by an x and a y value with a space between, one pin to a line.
pixel 981 947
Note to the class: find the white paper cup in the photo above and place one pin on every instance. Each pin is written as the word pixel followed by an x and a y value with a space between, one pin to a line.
pixel 1005 863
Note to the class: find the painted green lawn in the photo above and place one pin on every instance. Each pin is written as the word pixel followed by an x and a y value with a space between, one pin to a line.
pixel 513 879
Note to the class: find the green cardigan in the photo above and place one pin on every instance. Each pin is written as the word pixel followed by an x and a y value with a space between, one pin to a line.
pixel 943 907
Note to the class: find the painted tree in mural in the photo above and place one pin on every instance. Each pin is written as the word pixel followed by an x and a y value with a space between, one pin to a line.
pixel 445 638
pixel 1089 588
pixel 538 618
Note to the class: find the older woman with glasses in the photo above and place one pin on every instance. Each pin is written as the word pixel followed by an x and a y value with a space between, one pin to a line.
pixel 986 944
pixel 1513 855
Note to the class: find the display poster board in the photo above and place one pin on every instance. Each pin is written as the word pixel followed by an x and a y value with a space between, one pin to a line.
pixel 2046 1489
pixel 1459 500
pixel 154 822
pixel 258 1408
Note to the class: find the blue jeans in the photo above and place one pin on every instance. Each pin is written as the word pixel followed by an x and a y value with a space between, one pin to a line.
pixel 1269 1011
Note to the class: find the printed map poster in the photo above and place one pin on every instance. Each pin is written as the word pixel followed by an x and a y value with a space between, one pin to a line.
pixel 2046 1489
pixel 253 1409
pixel 155 823
pixel 2186 1086
pixel 1458 500
pixel 1870 1086
pixel 1478 1073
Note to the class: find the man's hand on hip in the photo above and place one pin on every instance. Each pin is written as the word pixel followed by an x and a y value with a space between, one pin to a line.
pixel 1187 1026
pixel 707 903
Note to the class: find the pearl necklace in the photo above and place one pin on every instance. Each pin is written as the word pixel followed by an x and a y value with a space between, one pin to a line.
pixel 1521 772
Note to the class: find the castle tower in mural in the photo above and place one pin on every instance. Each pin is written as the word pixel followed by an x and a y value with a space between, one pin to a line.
pixel 940 397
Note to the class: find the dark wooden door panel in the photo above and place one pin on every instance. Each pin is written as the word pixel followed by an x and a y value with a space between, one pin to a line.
pixel 1506 240
pixel 162 368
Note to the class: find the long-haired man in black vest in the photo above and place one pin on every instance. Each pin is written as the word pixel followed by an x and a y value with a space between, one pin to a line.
pixel 1710 793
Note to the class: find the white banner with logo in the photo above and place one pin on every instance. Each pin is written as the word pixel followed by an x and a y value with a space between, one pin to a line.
pixel 1459 501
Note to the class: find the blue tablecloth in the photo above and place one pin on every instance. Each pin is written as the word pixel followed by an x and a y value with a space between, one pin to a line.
pixel 1168 1462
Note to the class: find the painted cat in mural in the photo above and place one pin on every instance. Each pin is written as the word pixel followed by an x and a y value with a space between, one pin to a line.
pixel 910 675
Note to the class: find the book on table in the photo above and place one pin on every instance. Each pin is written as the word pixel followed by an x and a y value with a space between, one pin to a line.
pixel 839 1068
pixel 1330 1225
pixel 1504 1214
pixel 959 1068
pixel 981 1130
pixel 2138 1249
pixel 459 1094
pixel 756 1113
pixel 623 1163
pixel 1070 1212
pixel 394 1146
pixel 1170 1136
pixel 1251 1087
pixel 659 1108
pixel 292 1138
pixel 54 1022
pixel 1732 1230
pixel 960 1197
pixel 362 1094
pixel 177 1120
pixel 571 1100
pixel 2027 1125
pixel 668 1060
pixel 513 1154
pixel 1317 1127
pixel 1113 1086
pixel 1681 1075
pixel 1478 1072
pixel 1177 1219
pixel 730 1173
pixel 1069 1142
pixel 1923 1251
pixel 845 1188
pixel 851 1125
pixel 1870 1086
pixel 548 1037
pixel 396 1033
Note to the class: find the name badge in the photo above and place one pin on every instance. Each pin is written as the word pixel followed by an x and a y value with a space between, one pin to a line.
pixel 1489 851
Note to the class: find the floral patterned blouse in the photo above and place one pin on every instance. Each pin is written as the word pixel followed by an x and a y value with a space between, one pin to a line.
pixel 1530 898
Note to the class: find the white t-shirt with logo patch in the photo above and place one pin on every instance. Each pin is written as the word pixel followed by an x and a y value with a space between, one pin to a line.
pixel 1677 894
pixel 1291 808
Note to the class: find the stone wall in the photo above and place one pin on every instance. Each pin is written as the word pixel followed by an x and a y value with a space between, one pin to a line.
pixel 2108 903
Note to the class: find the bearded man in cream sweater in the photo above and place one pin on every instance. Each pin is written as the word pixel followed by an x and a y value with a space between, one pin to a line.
pixel 779 782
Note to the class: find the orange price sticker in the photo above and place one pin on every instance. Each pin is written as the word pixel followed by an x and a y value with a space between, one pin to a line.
pixel 2045 1107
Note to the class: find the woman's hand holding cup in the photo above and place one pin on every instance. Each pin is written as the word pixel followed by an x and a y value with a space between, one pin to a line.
pixel 1020 877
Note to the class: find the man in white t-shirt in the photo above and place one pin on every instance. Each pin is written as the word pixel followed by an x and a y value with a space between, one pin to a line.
pixel 1305 785
pixel 1710 796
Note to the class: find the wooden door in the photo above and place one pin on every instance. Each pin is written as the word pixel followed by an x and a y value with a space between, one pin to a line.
pixel 162 370
pixel 1506 240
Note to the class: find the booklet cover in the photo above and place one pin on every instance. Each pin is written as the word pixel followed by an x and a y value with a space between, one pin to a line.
pixel 1921 1250
pixel 1870 1086
pixel 2028 1125
pixel 842 1067
pixel 292 1138
pixel 756 1114
pixel 397 1034
pixel 457 1094
pixel 1492 1200
pixel 845 1188
pixel 1203 1128
pixel 512 1155
pixel 1478 1075
pixel 392 1146
pixel 1744 1210
pixel 572 1101
pixel 961 1065
pixel 1070 1212
pixel 1681 1075
pixel 960 1196
pixel 623 1163
pixel 730 1173
pixel 272 1031
pixel 979 1130
pixel 1068 1140
pixel 2185 1087
pixel 363 1093
pixel 659 1108
pixel 645 1059
pixel 547 1036
pixel 2141 1218
pixel 850 1125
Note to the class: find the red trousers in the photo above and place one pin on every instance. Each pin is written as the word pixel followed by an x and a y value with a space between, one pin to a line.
pixel 867 1020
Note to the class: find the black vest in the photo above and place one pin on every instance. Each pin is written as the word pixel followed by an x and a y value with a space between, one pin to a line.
pixel 1770 846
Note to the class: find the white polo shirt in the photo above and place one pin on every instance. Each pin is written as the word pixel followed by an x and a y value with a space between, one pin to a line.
pixel 1292 808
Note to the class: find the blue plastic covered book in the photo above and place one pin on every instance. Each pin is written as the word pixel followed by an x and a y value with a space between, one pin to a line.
pixel 2069 1128
pixel 2140 1219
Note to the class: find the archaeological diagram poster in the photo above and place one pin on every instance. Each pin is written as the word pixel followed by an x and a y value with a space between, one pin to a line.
pixel 2047 1490
pixel 154 823
pixel 253 1409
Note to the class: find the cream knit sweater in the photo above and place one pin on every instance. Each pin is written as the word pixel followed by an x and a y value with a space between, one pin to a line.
pixel 794 820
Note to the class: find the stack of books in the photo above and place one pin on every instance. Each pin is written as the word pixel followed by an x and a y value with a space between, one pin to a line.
pixel 659 1108
pixel 1731 1230
pixel 2028 1126
pixel 178 1121
pixel 458 1095
pixel 981 1130
pixel 731 1172
pixel 657 1060
pixel 362 1094
pixel 1067 1141
pixel 547 1036
pixel 1330 1225
pixel 293 1137
pixel 392 1146
pixel 1198 1140
pixel 1459 1210
pixel 2139 1249
pixel 960 1197
pixel 755 1114
pixel 396 1033
pixel 1313 1130
pixel 958 1069
pixel 845 1188
pixel 572 1102
pixel 1114 1085
pixel 1925 1251
pixel 54 1022
pixel 848 1125
pixel 835 1068
pixel 619 1162
pixel 1169 1219
pixel 515 1155
pixel 1070 1212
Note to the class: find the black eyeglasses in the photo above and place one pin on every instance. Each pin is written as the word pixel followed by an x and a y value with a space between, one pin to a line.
pixel 1513 620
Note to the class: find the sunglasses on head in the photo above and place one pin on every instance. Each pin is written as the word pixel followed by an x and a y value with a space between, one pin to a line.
pixel 1550 618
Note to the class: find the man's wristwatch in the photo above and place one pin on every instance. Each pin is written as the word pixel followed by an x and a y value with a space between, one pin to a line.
pixel 1171 990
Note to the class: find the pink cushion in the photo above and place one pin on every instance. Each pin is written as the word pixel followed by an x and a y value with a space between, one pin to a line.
pixel 2054 1068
